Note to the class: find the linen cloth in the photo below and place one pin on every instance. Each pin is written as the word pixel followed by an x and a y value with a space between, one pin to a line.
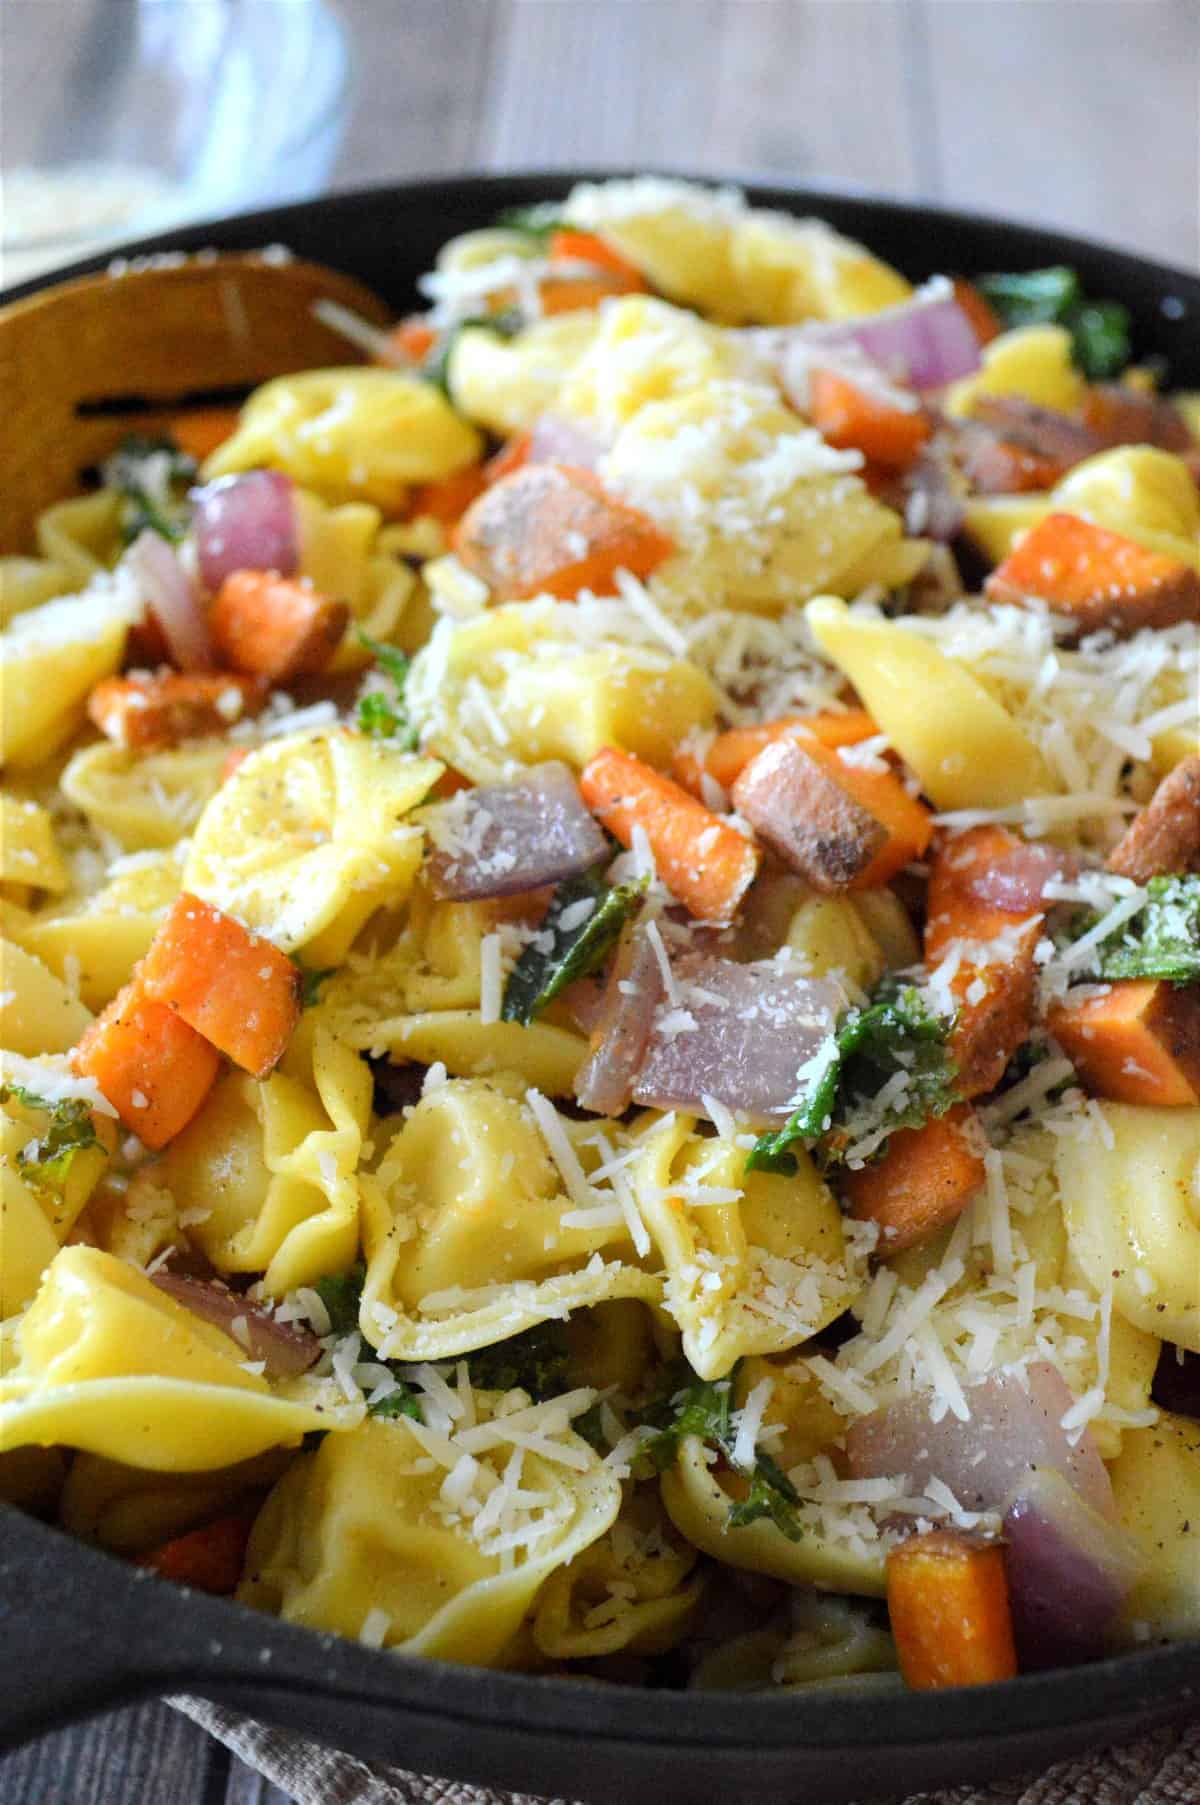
pixel 1162 1768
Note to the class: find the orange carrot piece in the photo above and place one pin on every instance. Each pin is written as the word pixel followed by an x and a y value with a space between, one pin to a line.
pixel 228 984
pixel 949 1608
pixel 852 419
pixel 995 996
pixel 149 712
pixel 449 499
pixel 413 338
pixel 202 429
pixel 154 1069
pixel 209 1559
pixel 567 246
pixel 924 1180
pixel 984 321
pixel 1136 1042
pixel 703 861
pixel 275 626
pixel 1097 578
pixel 731 752
pixel 549 528
pixel 235 757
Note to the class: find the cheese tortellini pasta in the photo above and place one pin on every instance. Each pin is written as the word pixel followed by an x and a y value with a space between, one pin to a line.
pixel 578 1010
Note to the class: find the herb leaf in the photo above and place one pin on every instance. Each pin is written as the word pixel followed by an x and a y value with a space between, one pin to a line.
pixel 1163 941
pixel 576 951
pixel 45 1163
pixel 383 713
pixel 539 221
pixel 1099 329
pixel 311 980
pixel 535 1361
pixel 341 1294
pixel 895 1033
pixel 153 476
pixel 703 1408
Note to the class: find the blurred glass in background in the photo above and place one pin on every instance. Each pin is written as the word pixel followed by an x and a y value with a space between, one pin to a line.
pixel 125 117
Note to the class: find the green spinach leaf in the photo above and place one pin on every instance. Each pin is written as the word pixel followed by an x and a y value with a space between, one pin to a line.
pixel 572 942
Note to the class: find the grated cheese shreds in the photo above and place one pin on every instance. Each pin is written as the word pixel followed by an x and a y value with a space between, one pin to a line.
pixel 749 1421
pixel 491 978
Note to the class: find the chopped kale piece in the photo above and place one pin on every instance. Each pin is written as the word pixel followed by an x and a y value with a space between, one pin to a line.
pixel 45 1163
pixel 1099 329
pixel 895 1033
pixel 575 950
pixel 383 713
pixel 153 477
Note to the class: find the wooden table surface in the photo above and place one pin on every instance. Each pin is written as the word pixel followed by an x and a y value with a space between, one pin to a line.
pixel 1077 113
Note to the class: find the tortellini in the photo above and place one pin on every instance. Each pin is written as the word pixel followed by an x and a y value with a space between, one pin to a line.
pixel 467 1230
pixel 352 435
pixel 763 512
pixel 39 1013
pixel 147 801
pixel 635 1591
pixel 309 837
pixel 707 249
pixel 419 1000
pixel 29 855
pixel 264 1174
pixel 50 656
pixel 755 1262
pixel 372 1535
pixel 98 939
pixel 523 684
pixel 1032 362
pixel 506 384
pixel 110 1364
pixel 643 351
pixel 343 554
pixel 1156 1483
pixel 966 749
pixel 129 1510
pixel 699 1499
pixel 77 539
pixel 1132 1205
pixel 828 1641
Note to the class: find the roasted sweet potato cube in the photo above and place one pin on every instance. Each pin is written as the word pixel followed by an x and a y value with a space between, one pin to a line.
pixel 550 528
pixel 1164 838
pixel 1133 1041
pixel 276 627
pixel 924 1180
pixel 1096 578
pixel 146 713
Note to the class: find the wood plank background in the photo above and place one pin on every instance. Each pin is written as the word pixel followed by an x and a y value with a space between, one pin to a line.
pixel 1077 113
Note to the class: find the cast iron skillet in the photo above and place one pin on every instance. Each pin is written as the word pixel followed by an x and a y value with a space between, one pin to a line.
pixel 81 1632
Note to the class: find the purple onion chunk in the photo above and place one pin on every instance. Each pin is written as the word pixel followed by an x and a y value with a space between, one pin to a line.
pixel 286 1348
pixel 622 1026
pixel 1069 1572
pixel 511 837
pixel 171 599
pixel 927 341
pixel 739 1034
pixel 246 523
pixel 1014 1426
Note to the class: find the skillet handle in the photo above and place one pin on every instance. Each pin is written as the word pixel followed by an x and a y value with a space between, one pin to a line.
pixel 83 1632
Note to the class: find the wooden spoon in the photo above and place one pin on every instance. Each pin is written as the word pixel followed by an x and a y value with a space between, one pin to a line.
pixel 86 362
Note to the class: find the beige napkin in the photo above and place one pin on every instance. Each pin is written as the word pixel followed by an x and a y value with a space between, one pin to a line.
pixel 1161 1769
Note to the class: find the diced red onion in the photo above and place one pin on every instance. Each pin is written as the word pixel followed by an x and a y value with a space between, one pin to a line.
pixel 171 598
pixel 738 1033
pixel 1069 1571
pixel 246 523
pixel 1177 1381
pixel 584 1002
pixel 1013 1427
pixel 933 508
pixel 558 441
pixel 1017 879
pixel 511 837
pixel 926 341
pixel 287 1349
pixel 622 1030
